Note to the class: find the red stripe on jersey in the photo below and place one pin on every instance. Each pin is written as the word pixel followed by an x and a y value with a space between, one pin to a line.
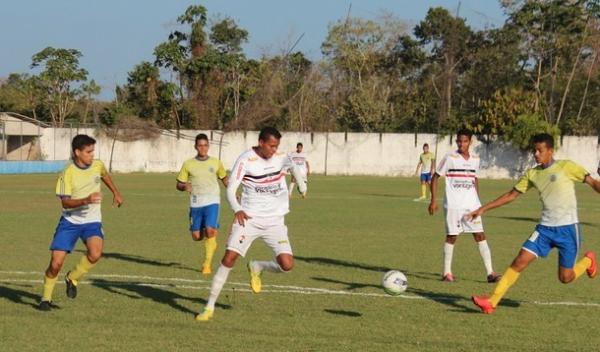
pixel 239 170
pixel 267 181
pixel 461 175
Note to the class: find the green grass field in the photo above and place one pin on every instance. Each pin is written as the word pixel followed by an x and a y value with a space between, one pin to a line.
pixel 143 294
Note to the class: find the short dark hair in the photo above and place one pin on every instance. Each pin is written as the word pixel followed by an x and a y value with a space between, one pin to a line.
pixel 299 144
pixel 267 132
pixel 425 145
pixel 543 138
pixel 201 137
pixel 464 132
pixel 81 141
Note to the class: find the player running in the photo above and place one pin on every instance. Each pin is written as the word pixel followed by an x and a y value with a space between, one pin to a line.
pixel 559 226
pixel 299 158
pixel 460 169
pixel 198 176
pixel 261 172
pixel 78 188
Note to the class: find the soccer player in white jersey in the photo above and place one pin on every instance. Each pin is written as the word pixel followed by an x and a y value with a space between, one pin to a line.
pixel 261 172
pixel 460 169
pixel 299 158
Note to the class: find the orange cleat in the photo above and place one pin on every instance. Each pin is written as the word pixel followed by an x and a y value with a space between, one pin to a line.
pixel 484 304
pixel 592 271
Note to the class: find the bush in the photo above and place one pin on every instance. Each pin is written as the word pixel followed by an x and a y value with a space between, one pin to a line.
pixel 526 126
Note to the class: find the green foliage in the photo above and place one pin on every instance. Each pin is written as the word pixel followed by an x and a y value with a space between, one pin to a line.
pixel 525 127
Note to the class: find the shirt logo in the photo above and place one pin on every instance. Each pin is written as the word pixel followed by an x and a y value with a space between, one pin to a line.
pixel 97 179
pixel 211 170
pixel 553 178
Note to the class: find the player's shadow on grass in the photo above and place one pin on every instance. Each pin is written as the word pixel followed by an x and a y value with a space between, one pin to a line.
pixel 349 285
pixel 141 290
pixel 347 313
pixel 19 296
pixel 457 302
pixel 141 260
pixel 344 263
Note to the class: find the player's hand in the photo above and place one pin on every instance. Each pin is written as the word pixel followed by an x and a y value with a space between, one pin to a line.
pixel 117 200
pixel 473 215
pixel 432 207
pixel 188 187
pixel 241 217
pixel 94 198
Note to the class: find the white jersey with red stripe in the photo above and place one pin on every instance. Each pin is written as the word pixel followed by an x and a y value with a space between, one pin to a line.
pixel 300 160
pixel 461 175
pixel 264 190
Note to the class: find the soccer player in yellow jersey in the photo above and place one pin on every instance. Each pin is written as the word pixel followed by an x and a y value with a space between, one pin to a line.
pixel 559 226
pixel 78 188
pixel 426 163
pixel 198 176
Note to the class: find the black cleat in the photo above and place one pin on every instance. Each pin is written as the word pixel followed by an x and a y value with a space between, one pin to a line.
pixel 71 287
pixel 493 277
pixel 45 306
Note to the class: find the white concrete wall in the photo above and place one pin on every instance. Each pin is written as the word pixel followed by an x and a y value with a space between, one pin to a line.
pixel 384 154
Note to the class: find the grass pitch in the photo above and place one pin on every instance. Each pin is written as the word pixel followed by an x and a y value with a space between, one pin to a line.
pixel 143 294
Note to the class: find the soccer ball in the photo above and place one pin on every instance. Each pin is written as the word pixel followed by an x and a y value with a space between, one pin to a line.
pixel 394 282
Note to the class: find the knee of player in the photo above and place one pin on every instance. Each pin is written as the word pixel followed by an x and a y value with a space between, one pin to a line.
pixel 196 236
pixel 54 268
pixel 210 232
pixel 94 256
pixel 565 278
pixel 286 265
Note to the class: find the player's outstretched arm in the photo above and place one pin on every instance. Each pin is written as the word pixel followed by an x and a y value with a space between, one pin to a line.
pixel 498 202
pixel 117 198
pixel 433 204
pixel 595 184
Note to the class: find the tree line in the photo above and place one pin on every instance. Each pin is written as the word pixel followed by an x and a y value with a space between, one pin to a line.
pixel 538 71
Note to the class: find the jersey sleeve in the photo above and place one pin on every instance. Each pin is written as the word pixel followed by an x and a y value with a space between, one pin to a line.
pixel 575 171
pixel 221 173
pixel 442 167
pixel 235 179
pixel 102 168
pixel 524 183
pixel 184 173
pixel 64 185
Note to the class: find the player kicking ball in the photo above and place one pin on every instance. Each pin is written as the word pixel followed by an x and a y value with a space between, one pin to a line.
pixel 559 226
pixel 78 188
pixel 261 172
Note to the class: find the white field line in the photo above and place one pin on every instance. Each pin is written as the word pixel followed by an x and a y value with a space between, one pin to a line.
pixel 270 288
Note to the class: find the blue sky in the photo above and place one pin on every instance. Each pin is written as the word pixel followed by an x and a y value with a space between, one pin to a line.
pixel 115 35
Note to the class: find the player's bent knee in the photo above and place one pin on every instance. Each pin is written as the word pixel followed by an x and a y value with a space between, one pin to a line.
pixel 210 232
pixel 94 257
pixel 196 236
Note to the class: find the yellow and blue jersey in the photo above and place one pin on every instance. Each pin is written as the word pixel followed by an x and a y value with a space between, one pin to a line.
pixel 426 160
pixel 556 185
pixel 78 183
pixel 204 176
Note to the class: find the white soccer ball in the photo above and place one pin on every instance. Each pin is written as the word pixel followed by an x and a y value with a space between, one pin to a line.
pixel 394 282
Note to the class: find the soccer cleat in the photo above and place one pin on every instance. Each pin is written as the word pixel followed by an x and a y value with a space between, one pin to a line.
pixel 484 304
pixel 206 270
pixel 255 282
pixel 71 286
pixel 45 306
pixel 205 314
pixel 592 271
pixel 493 277
pixel 448 277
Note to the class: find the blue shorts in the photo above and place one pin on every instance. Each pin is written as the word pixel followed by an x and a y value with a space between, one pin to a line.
pixel 566 238
pixel 426 177
pixel 203 217
pixel 67 234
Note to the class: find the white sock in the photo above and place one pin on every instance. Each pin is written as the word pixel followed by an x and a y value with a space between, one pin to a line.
pixel 291 190
pixel 270 265
pixel 448 252
pixel 486 255
pixel 217 284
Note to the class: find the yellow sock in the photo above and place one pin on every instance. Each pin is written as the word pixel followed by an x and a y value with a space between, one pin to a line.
pixel 423 191
pixel 48 288
pixel 80 269
pixel 210 246
pixel 582 265
pixel 508 279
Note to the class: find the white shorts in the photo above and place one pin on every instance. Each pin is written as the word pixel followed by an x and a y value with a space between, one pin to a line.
pixel 455 224
pixel 272 230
